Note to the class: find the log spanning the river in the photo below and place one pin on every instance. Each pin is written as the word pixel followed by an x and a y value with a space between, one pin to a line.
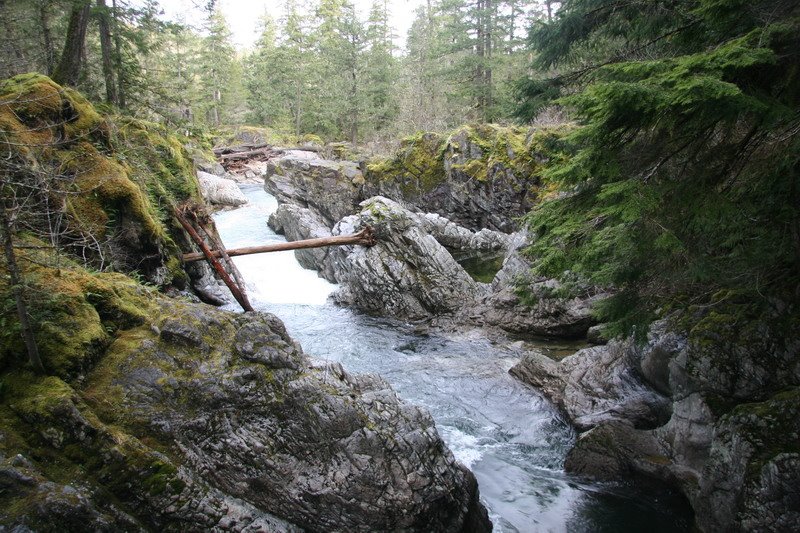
pixel 365 237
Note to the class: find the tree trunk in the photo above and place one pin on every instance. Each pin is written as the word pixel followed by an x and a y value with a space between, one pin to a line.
pixel 365 237
pixel 105 47
pixel 298 95
pixel 118 57
pixel 18 289
pixel 489 21
pixel 47 39
pixel 68 70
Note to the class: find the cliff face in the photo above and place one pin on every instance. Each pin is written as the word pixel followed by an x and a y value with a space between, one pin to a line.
pixel 712 412
pixel 161 413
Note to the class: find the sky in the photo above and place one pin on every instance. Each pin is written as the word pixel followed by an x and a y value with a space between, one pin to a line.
pixel 243 15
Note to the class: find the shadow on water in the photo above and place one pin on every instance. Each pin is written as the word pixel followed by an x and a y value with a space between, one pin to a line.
pixel 505 432
pixel 481 266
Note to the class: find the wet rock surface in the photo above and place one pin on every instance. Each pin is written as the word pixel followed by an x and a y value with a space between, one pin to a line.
pixel 203 419
pixel 656 411
pixel 407 273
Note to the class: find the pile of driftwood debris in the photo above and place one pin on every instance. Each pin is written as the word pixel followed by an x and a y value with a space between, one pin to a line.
pixel 234 158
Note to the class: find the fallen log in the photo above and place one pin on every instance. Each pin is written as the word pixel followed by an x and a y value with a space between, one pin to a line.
pixel 237 291
pixel 240 148
pixel 365 237
pixel 248 155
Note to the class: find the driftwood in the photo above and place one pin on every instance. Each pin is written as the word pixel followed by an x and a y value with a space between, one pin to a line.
pixel 251 154
pixel 237 292
pixel 240 148
pixel 364 237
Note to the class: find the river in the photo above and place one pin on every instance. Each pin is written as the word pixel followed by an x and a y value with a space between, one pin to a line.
pixel 506 433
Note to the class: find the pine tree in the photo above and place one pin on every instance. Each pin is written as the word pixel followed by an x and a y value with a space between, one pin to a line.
pixel 380 69
pixel 681 186
pixel 217 62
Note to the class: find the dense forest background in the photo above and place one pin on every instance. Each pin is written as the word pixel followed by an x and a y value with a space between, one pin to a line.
pixel 319 69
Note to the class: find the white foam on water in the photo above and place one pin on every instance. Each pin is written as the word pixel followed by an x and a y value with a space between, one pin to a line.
pixel 275 277
pixel 465 447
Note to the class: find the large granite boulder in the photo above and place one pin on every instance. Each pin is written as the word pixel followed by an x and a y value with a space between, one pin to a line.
pixel 330 188
pixel 197 419
pixel 220 191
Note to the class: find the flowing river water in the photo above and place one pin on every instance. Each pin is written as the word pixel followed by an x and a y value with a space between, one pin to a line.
pixel 506 433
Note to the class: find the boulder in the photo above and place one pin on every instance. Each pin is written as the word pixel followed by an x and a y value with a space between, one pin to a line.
pixel 595 385
pixel 669 410
pixel 200 419
pixel 330 188
pixel 298 223
pixel 220 191
pixel 523 304
pixel 408 273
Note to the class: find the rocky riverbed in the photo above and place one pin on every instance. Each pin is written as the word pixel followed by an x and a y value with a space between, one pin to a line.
pixel 712 418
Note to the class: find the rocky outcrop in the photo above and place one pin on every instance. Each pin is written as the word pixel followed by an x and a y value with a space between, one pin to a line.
pixel 408 273
pixel 298 223
pixel 220 191
pixel 477 177
pixel 330 188
pixel 703 416
pixel 196 419
pixel 411 271
pixel 482 176
pixel 521 303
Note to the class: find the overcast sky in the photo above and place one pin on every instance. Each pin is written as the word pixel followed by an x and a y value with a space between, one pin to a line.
pixel 243 15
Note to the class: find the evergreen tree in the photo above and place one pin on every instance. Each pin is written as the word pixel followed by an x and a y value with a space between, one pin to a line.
pixel 682 184
pixel 380 69
pixel 218 67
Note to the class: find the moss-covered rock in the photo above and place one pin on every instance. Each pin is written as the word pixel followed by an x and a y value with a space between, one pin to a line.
pixel 480 176
pixel 110 181
pixel 754 467
pixel 185 413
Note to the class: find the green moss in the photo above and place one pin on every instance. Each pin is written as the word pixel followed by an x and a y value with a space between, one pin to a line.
pixel 479 152
pixel 36 397
pixel 418 165
pixel 771 427
pixel 118 177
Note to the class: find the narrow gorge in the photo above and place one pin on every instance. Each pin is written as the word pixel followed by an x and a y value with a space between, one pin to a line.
pixel 544 271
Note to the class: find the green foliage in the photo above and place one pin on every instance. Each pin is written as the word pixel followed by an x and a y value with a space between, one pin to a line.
pixel 684 177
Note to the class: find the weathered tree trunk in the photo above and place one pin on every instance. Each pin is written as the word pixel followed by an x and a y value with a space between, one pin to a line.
pixel 364 237
pixel 68 70
pixel 18 290
pixel 47 39
pixel 237 291
pixel 298 107
pixel 118 57
pixel 104 23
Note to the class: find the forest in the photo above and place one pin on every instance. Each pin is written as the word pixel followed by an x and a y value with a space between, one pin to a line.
pixel 320 68
pixel 602 196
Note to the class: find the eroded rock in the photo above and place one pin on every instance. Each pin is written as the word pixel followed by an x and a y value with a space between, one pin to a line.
pixel 216 420
pixel 220 191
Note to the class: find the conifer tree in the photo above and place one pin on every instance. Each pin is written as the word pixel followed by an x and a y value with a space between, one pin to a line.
pixel 680 187
pixel 217 62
